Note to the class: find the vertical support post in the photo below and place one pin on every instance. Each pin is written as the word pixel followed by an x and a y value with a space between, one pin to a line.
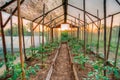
pixel 92 34
pixel 84 29
pixel 51 34
pixel 32 44
pixel 43 25
pixel 118 42
pixel 48 33
pixel 109 42
pixel 51 30
pixel 79 30
pixel 25 57
pixel 39 35
pixel 104 2
pixel 33 39
pixel 43 30
pixel 3 41
pixel 99 25
pixel 71 28
pixel 11 34
pixel 54 31
pixel 20 40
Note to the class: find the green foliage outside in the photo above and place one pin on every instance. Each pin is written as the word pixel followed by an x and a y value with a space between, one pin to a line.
pixel 64 36
pixel 15 31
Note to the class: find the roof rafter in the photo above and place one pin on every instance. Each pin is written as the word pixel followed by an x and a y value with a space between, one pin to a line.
pixel 118 2
pixel 12 14
pixel 54 19
pixel 83 11
pixel 92 20
pixel 7 4
pixel 47 12
pixel 76 18
pixel 56 22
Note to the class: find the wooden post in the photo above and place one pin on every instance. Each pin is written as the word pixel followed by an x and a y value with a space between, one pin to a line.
pixel 99 25
pixel 118 42
pixel 104 8
pixel 3 41
pixel 11 34
pixel 51 34
pixel 92 33
pixel 20 40
pixel 109 42
pixel 48 35
pixel 43 30
pixel 71 29
pixel 84 29
pixel 25 56
pixel 43 25
pixel 39 35
pixel 79 30
pixel 51 30
pixel 32 44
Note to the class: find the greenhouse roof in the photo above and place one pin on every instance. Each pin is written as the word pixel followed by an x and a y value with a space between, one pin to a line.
pixel 33 9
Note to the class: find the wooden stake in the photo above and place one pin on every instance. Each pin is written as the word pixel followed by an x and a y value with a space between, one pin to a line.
pixel 20 40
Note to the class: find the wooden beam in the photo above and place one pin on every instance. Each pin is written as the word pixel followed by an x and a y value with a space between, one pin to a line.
pixel 7 4
pixel 56 22
pixel 43 29
pixel 83 11
pixel 105 25
pixel 54 19
pixel 81 21
pixel 12 14
pixel 99 25
pixel 20 39
pixel 47 12
pixel 3 42
pixel 65 7
pixel 25 56
pixel 106 17
pixel 118 2
pixel 72 21
pixel 118 42
pixel 110 35
pixel 92 21
pixel 12 51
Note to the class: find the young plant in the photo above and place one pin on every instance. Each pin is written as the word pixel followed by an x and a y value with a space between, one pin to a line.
pixel 80 59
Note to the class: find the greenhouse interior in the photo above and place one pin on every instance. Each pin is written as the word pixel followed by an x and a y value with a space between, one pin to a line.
pixel 59 39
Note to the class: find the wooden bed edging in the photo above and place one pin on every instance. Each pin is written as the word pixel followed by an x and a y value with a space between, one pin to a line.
pixel 53 62
pixel 73 66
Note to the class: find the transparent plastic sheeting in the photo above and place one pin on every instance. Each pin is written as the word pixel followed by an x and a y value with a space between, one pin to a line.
pixel 92 6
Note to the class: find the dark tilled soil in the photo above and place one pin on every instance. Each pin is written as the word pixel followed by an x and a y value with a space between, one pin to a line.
pixel 62 69
pixel 41 74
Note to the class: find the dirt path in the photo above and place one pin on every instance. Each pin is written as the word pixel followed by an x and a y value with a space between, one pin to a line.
pixel 62 69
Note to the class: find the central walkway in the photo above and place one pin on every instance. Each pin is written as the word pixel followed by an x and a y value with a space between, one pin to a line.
pixel 62 69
